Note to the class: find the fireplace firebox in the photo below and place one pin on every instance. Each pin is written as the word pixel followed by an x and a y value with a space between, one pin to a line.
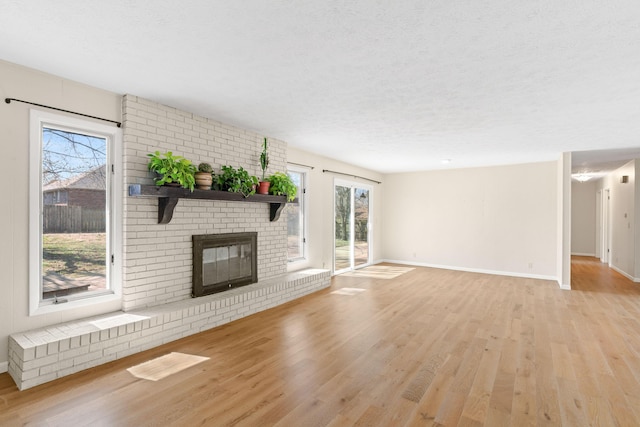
pixel 224 261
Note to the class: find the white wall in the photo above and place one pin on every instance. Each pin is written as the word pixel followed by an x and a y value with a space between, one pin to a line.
pixel 622 219
pixel 583 218
pixel 495 219
pixel 23 83
pixel 320 206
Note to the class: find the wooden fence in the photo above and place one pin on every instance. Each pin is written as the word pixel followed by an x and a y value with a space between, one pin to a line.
pixel 73 219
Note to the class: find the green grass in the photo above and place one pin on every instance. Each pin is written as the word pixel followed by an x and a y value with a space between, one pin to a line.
pixel 340 243
pixel 74 255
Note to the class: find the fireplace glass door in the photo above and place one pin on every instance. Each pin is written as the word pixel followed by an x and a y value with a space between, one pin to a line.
pixel 226 263
pixel 223 261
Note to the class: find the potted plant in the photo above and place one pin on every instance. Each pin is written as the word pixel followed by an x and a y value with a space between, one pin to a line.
pixel 236 181
pixel 264 163
pixel 282 185
pixel 204 177
pixel 172 170
pixel 224 180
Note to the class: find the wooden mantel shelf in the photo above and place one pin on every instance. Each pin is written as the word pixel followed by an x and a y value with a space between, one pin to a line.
pixel 168 199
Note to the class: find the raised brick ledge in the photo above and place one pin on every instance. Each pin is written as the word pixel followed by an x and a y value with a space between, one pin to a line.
pixel 42 355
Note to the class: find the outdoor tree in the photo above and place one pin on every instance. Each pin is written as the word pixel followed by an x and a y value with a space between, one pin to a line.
pixel 361 214
pixel 343 212
pixel 68 154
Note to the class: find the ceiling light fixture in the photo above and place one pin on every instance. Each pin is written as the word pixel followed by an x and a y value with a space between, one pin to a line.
pixel 582 177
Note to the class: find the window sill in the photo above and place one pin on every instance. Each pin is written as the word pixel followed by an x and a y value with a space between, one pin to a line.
pixel 77 303
pixel 297 264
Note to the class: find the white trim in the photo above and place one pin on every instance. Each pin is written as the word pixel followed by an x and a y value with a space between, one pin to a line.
pixel 473 270
pixel 38 119
pixel 86 301
pixel 582 254
pixel 370 238
pixel 605 240
pixel 564 287
pixel 35 220
pixel 4 367
pixel 302 202
pixel 625 274
pixel 598 224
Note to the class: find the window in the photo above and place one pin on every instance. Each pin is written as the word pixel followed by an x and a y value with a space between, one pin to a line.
pixel 352 225
pixel 296 217
pixel 73 209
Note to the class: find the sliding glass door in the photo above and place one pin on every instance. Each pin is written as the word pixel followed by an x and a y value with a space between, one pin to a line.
pixel 352 231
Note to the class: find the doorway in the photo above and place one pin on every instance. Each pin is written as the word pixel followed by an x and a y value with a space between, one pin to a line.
pixel 352 225
pixel 605 227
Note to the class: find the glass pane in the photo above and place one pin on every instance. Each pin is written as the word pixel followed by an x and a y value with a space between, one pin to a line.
pixel 361 223
pixel 222 264
pixel 234 262
pixel 74 202
pixel 245 260
pixel 295 221
pixel 209 266
pixel 343 227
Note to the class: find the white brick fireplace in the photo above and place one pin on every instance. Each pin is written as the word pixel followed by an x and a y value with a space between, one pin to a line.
pixel 157 258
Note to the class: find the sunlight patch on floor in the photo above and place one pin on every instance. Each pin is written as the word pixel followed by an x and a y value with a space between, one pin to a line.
pixel 348 291
pixel 379 272
pixel 161 367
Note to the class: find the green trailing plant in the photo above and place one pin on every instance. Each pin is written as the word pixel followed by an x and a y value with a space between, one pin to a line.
pixel 282 185
pixel 236 181
pixel 172 169
pixel 264 158
pixel 224 180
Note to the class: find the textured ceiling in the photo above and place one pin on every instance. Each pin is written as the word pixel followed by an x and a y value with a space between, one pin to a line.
pixel 392 86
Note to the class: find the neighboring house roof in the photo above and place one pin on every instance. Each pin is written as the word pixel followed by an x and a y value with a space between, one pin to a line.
pixel 92 180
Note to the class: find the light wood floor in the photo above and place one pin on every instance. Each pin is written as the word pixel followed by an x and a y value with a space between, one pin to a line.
pixel 431 347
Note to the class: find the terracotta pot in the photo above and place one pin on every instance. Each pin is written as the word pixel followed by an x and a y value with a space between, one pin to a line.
pixel 203 180
pixel 264 187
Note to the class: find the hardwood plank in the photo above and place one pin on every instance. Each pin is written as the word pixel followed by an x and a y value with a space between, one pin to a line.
pixel 477 403
pixel 430 347
pixel 572 404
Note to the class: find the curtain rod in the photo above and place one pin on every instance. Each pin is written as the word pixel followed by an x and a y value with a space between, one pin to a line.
pixel 351 175
pixel 300 164
pixel 8 101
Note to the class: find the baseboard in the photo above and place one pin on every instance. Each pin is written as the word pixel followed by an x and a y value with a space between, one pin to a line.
pixel 564 287
pixel 4 367
pixel 474 270
pixel 625 274
pixel 582 254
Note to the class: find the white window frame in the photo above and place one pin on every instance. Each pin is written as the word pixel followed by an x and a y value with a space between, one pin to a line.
pixel 302 202
pixel 39 119
pixel 370 237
